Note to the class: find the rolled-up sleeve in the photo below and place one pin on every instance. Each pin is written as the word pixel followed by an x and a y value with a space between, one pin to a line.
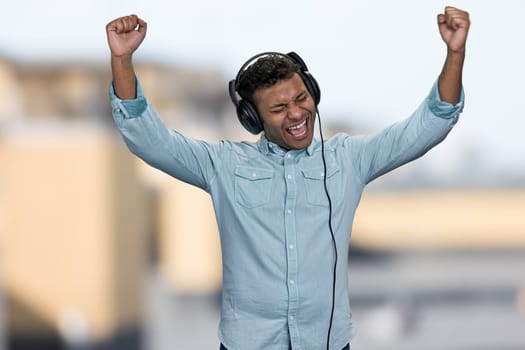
pixel 444 109
pixel 133 107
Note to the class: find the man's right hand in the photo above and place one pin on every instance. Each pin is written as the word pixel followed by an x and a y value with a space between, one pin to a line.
pixel 125 34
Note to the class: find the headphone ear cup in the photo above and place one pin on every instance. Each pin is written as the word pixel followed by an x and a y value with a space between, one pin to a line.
pixel 249 117
pixel 312 86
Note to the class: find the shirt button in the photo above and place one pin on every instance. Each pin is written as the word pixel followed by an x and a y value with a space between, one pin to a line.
pixel 291 246
pixel 289 177
pixel 254 174
pixel 291 318
pixel 292 282
pixel 322 173
pixel 289 156
pixel 289 211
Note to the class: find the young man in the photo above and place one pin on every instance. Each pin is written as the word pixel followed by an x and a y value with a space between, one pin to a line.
pixel 285 202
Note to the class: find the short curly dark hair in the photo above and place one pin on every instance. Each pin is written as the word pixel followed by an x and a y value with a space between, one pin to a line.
pixel 265 72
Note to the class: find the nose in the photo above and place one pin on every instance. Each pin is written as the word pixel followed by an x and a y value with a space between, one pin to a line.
pixel 295 112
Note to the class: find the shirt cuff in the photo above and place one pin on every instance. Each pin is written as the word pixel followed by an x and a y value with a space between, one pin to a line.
pixel 134 107
pixel 444 109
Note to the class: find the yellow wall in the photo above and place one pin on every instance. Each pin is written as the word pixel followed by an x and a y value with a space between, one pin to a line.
pixel 73 236
pixel 451 218
pixel 189 240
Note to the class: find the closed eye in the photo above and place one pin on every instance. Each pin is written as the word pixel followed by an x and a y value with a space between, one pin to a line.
pixel 302 97
pixel 277 109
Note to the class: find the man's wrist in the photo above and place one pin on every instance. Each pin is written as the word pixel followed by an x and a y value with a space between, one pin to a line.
pixel 125 60
pixel 456 54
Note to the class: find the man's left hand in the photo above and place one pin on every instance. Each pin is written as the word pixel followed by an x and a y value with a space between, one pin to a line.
pixel 453 27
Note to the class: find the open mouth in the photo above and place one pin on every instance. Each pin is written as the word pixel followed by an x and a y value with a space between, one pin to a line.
pixel 298 130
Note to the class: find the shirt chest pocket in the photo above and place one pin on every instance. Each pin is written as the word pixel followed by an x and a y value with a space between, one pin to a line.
pixel 253 186
pixel 314 185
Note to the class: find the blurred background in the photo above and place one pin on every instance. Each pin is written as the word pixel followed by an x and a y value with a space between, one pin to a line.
pixel 99 251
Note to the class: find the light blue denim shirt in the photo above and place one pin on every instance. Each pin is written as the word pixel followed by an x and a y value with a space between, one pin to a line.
pixel 272 214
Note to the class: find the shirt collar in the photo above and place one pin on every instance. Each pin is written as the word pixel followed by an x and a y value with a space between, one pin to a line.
pixel 267 147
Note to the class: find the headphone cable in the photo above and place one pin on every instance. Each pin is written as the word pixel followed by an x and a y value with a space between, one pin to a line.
pixel 330 228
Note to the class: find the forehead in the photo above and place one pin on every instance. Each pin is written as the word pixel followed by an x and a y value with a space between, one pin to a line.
pixel 283 91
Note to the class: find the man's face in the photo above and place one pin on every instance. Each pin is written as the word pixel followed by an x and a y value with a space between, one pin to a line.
pixel 288 112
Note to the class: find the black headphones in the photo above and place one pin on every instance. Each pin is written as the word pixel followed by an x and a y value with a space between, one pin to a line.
pixel 246 111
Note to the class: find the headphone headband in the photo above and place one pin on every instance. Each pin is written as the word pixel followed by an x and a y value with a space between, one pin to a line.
pixel 246 112
pixel 291 56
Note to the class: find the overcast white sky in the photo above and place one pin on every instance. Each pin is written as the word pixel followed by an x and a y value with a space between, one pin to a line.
pixel 375 60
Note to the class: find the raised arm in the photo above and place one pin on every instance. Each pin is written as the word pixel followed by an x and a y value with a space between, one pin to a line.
pixel 125 34
pixel 453 27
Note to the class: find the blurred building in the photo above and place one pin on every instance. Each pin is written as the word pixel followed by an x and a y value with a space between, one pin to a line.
pixel 82 221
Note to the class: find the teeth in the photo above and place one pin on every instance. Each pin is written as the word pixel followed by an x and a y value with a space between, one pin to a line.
pixel 297 126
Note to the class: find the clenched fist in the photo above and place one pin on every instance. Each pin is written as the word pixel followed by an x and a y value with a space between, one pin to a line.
pixel 125 34
pixel 453 27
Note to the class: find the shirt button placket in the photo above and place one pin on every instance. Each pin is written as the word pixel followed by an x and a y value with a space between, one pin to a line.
pixel 291 236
